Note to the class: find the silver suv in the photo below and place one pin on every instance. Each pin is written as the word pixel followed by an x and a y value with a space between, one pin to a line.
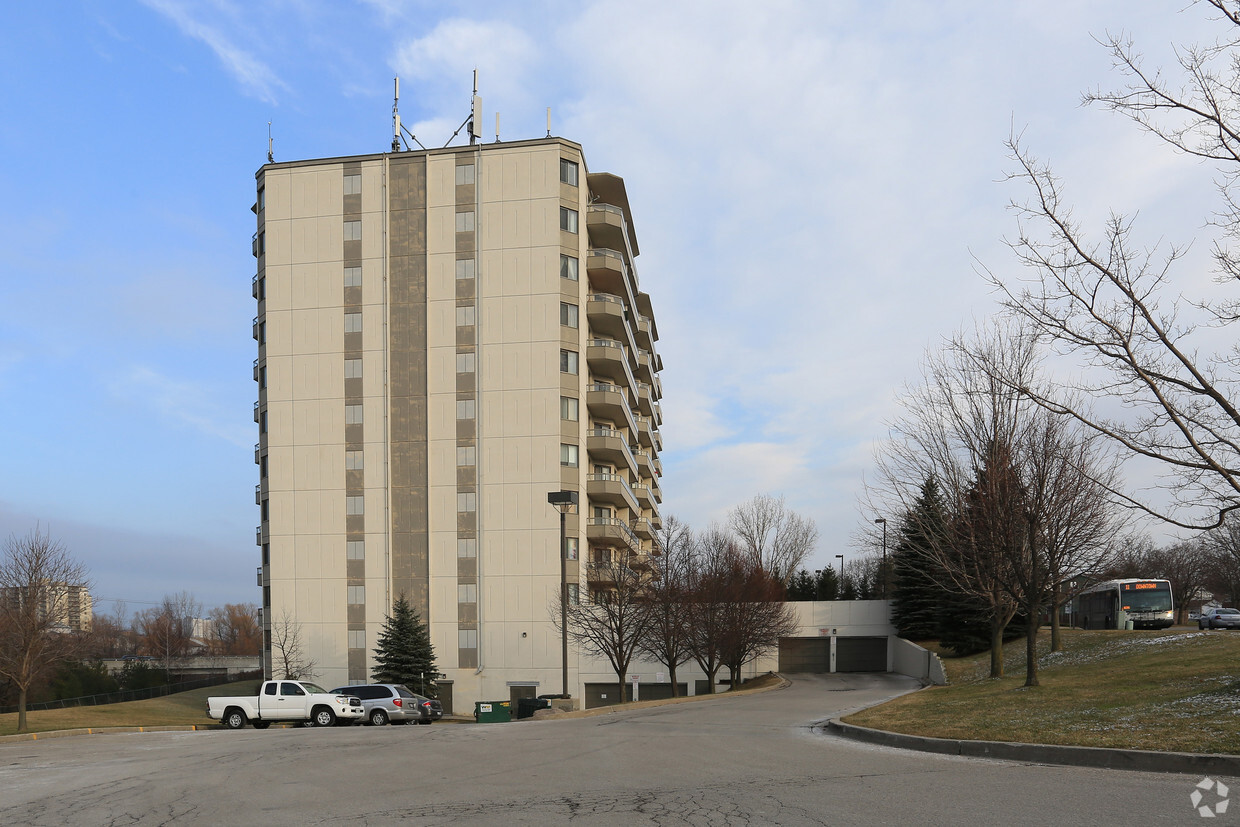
pixel 393 702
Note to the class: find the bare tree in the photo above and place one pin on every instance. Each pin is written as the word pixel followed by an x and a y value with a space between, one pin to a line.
pixel 1114 304
pixel 1185 565
pixel 289 659
pixel 234 630
pixel 776 538
pixel 167 630
pixel 667 627
pixel 39 582
pixel 612 623
pixel 708 599
pixel 755 615
pixel 1223 561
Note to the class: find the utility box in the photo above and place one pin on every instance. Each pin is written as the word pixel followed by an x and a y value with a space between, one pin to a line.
pixel 492 712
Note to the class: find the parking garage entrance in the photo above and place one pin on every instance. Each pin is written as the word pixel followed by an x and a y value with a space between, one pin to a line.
pixel 851 654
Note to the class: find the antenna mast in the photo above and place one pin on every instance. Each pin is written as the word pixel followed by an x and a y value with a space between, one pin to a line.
pixel 396 116
pixel 271 156
pixel 475 114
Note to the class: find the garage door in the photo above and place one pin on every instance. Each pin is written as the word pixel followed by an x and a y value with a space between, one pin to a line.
pixel 805 654
pixel 861 654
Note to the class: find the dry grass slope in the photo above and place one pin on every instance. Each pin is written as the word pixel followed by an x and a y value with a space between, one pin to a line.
pixel 1175 690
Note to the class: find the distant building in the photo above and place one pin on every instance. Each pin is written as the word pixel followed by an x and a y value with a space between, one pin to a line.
pixel 444 337
pixel 69 606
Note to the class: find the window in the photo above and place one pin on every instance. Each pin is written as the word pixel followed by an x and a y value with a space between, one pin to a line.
pixel 352 322
pixel 353 277
pixel 601 598
pixel 466 455
pixel 568 314
pixel 569 408
pixel 357 639
pixel 352 184
pixel 353 460
pixel 353 414
pixel 269 689
pixel 568 172
pixel 262 198
pixel 465 362
pixel 352 368
pixel 568 455
pixel 262 376
pixel 262 243
pixel 357 595
pixel 465 316
pixel 568 267
pixel 465 222
pixel 467 593
pixel 262 289
pixel 574 594
pixel 464 268
pixel 568 361
pixel 466 501
pixel 464 174
pixel 265 511
pixel 262 333
pixel 355 550
pixel 467 638
pixel 262 422
pixel 464 409
pixel 571 549
pixel 467 547
pixel 568 220
pixel 262 466
pixel 291 689
pixel 354 506
pixel 352 231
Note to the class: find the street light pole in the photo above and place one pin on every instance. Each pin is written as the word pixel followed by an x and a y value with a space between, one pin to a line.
pixel 883 571
pixel 840 557
pixel 563 501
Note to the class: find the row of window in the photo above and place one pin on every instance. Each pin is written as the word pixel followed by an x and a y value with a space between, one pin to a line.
pixel 467 362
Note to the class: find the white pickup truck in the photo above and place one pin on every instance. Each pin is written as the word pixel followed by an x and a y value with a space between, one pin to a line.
pixel 286 701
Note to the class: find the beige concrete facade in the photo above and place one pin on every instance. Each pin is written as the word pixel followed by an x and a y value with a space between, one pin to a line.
pixel 444 337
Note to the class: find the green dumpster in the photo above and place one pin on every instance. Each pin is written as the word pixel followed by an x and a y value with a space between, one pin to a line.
pixel 491 712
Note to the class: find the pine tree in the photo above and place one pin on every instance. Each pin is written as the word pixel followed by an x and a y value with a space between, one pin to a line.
pixel 404 653
pixel 801 586
pixel 918 596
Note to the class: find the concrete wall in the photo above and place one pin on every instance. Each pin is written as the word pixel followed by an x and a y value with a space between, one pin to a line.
pixel 910 659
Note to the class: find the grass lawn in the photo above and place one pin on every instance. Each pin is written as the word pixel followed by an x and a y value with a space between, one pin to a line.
pixel 1173 690
pixel 181 709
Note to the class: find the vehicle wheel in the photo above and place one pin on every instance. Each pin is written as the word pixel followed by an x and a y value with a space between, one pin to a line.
pixel 378 717
pixel 262 724
pixel 234 719
pixel 324 717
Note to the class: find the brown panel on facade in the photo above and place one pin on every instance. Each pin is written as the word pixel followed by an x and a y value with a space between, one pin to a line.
pixel 355 613
pixel 354 434
pixel 353 341
pixel 354 480
pixel 352 204
pixel 465 288
pixel 465 194
pixel 464 521
pixel 465 337
pixel 570 478
pixel 466 429
pixel 467 658
pixel 465 242
pixel 355 570
pixel 357 665
pixel 353 295
pixel 352 249
pixel 353 389
pixel 467 569
pixel 465 383
pixel 355 522
pixel 464 477
pixel 466 612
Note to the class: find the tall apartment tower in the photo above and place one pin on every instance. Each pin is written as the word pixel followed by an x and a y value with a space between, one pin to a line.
pixel 445 337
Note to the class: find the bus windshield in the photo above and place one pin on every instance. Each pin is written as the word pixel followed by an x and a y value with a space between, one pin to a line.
pixel 1146 600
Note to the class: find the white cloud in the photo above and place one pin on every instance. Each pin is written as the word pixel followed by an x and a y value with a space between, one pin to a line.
pixel 186 402
pixel 256 77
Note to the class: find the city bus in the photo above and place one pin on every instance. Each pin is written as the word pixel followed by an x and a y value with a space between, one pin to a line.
pixel 1125 604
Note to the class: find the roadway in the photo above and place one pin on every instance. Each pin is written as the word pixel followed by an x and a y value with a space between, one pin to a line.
pixel 747 759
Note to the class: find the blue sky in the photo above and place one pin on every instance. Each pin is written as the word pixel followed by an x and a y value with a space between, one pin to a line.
pixel 813 185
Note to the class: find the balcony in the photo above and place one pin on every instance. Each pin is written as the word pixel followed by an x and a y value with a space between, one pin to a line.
pixel 645 333
pixel 610 531
pixel 645 366
pixel 258 494
pixel 608 401
pixel 643 529
pixel 609 445
pixel 606 226
pixel 645 465
pixel 254 287
pixel 258 535
pixel 257 412
pixel 254 328
pixel 609 273
pixel 258 451
pixel 644 495
pixel 255 370
pixel 611 488
pixel 645 399
pixel 605 573
pixel 607 358
pixel 254 246
pixel 645 431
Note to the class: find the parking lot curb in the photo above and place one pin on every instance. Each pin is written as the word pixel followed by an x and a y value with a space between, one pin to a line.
pixel 1096 757
pixel 112 730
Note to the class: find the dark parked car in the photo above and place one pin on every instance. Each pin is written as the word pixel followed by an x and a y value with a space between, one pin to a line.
pixel 1215 618
pixel 393 702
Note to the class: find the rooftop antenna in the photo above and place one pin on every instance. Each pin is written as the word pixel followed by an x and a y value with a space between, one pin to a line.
pixel 497 127
pixel 271 156
pixel 475 113
pixel 548 121
pixel 397 126
pixel 396 115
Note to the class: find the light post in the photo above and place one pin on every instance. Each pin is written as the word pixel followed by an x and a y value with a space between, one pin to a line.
pixel 840 557
pixel 563 502
pixel 883 570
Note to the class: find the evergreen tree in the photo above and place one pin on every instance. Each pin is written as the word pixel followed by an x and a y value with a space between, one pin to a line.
pixel 802 586
pixel 404 653
pixel 918 595
pixel 826 584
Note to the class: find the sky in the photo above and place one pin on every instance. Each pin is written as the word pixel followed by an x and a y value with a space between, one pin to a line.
pixel 815 186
